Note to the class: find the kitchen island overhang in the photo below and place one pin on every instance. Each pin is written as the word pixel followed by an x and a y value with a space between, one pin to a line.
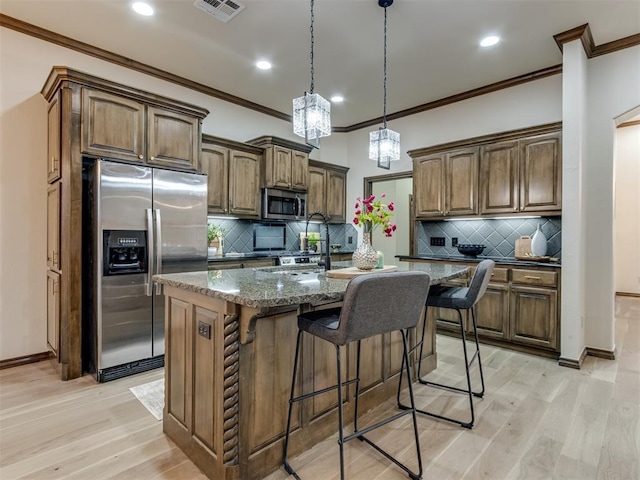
pixel 230 342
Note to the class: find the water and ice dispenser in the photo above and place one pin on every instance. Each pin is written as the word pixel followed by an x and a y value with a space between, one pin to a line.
pixel 125 252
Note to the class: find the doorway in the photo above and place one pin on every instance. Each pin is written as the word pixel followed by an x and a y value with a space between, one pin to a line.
pixel 398 188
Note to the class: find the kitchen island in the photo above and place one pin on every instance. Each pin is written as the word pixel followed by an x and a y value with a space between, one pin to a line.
pixel 229 350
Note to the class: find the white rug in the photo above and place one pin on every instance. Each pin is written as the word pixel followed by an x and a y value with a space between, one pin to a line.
pixel 151 395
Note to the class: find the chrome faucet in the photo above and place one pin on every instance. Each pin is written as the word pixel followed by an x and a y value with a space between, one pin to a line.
pixel 327 255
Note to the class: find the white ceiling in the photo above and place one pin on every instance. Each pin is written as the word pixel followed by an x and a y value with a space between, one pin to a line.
pixel 433 47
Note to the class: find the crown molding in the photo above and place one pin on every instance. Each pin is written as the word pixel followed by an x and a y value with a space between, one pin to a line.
pixel 582 32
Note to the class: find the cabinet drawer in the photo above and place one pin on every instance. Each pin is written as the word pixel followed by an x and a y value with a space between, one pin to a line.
pixel 499 275
pixel 534 277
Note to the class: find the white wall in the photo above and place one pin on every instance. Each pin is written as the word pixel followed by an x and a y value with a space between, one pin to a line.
pixel 25 64
pixel 613 88
pixel 627 209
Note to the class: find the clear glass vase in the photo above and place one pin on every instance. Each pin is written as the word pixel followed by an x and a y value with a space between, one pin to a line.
pixel 365 257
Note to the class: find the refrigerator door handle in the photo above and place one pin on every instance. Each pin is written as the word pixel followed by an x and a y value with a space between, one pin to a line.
pixel 158 249
pixel 151 243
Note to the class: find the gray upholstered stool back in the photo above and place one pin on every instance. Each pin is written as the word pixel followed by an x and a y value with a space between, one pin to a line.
pixel 479 282
pixel 379 303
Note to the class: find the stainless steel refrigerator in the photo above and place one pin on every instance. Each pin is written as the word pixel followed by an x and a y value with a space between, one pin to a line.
pixel 139 221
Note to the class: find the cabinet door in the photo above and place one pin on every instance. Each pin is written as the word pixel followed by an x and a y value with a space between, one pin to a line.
pixel 173 139
pixel 53 140
pixel 540 173
pixel 492 312
pixel 278 167
pixel 215 163
pixel 499 178
pixel 336 196
pixel 53 226
pixel 428 186
pixel 299 171
pixel 53 310
pixel 244 184
pixel 461 182
pixel 112 126
pixel 316 195
pixel 534 317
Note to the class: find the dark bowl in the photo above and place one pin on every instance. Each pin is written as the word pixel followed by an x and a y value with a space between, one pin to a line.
pixel 470 249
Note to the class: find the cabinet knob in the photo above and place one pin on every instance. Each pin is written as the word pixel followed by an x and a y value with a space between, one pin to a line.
pixel 140 157
pixel 152 158
pixel 515 208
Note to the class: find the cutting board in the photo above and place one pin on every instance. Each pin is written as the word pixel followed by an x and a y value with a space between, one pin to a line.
pixel 523 246
pixel 354 272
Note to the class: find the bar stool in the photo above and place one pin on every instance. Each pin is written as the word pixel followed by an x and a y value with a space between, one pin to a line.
pixel 373 304
pixel 457 298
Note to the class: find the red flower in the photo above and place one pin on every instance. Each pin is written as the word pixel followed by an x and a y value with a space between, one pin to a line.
pixel 355 220
pixel 391 207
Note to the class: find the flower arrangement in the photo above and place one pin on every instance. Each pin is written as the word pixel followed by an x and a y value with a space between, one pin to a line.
pixel 214 232
pixel 371 213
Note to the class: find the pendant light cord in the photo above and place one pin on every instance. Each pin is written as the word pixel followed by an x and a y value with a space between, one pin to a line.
pixel 384 108
pixel 311 55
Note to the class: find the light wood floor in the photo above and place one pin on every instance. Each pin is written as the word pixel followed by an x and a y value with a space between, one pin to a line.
pixel 537 421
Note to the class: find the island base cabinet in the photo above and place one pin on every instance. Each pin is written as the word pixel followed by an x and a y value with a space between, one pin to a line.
pixel 228 371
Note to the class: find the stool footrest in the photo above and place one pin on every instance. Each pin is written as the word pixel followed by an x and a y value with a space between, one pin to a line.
pixel 360 432
pixel 411 474
pixel 448 387
pixel 318 392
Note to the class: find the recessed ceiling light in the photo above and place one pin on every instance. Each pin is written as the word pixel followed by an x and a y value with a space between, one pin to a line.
pixel 337 99
pixel 489 41
pixel 142 8
pixel 263 65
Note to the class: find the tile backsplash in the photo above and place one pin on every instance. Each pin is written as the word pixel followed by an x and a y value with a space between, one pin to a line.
pixel 238 236
pixel 499 235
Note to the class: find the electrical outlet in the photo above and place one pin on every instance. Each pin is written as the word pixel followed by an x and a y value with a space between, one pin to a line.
pixel 204 330
pixel 437 241
pixel 454 241
pixel 350 240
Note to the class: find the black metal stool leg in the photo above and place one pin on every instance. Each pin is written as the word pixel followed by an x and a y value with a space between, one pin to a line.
pixel 285 459
pixel 340 414
pixel 475 334
pixel 355 409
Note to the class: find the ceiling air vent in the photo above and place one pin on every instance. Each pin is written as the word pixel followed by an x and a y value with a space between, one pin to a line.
pixel 223 10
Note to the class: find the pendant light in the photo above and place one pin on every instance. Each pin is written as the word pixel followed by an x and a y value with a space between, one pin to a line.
pixel 384 143
pixel 311 112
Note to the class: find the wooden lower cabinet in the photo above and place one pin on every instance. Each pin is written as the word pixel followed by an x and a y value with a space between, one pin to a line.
pixel 228 372
pixel 534 313
pixel 520 309
pixel 53 310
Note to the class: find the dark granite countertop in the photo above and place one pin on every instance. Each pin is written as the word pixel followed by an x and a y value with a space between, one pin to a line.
pixel 282 286
pixel 498 260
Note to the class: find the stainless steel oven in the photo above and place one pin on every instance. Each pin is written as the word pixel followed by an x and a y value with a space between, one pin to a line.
pixel 283 205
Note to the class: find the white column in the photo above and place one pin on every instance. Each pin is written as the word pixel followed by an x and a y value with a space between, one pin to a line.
pixel 574 91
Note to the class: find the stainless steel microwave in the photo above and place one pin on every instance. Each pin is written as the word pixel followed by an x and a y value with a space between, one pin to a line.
pixel 283 205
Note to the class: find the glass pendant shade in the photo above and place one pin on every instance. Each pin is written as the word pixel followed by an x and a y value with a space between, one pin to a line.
pixel 384 147
pixel 311 117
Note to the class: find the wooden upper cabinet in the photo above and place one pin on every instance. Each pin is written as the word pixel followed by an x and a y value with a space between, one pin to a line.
pixel 541 173
pixel 173 139
pixel 285 163
pixel 316 196
pixel 502 174
pixel 112 126
pixel 328 191
pixel 53 140
pixel 299 171
pixel 428 185
pixel 499 178
pixel 215 163
pixel 244 184
pixel 461 187
pixel 336 196
pixel 120 128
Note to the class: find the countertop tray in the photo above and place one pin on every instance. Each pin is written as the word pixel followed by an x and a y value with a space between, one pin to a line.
pixel 351 272
pixel 538 259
